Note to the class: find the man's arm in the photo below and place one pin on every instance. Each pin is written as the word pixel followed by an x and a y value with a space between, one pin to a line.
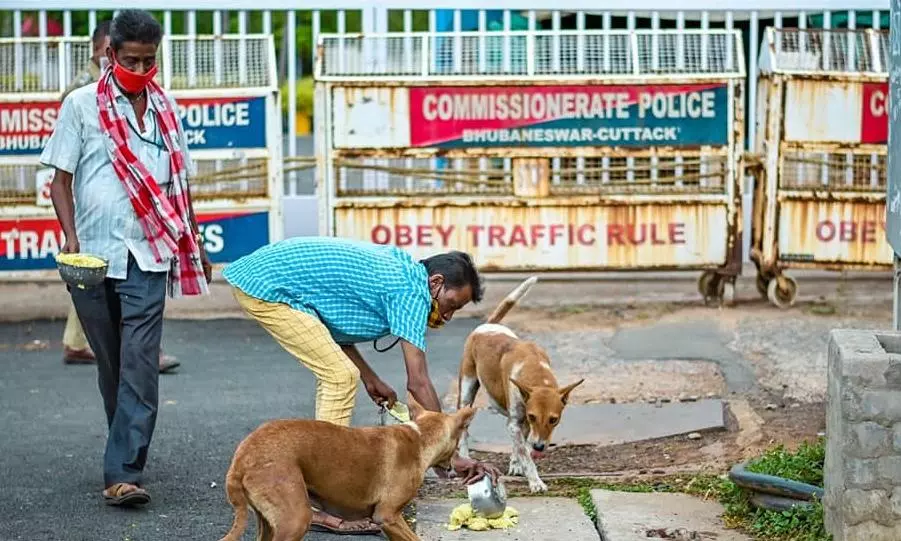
pixel 420 386
pixel 64 205
pixel 353 354
pixel 380 392
pixel 62 152
pixel 418 381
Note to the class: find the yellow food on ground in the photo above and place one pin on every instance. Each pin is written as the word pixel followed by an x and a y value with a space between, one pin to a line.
pixel 80 260
pixel 400 412
pixel 464 516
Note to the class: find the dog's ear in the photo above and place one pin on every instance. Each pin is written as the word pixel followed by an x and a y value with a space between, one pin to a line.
pixel 415 407
pixel 523 390
pixel 564 391
pixel 464 417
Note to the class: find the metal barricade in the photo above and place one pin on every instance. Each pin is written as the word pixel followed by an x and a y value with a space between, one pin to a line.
pixel 820 201
pixel 553 150
pixel 226 90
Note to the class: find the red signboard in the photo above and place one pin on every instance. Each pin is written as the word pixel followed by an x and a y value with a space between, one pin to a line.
pixel 25 127
pixel 874 117
pixel 569 115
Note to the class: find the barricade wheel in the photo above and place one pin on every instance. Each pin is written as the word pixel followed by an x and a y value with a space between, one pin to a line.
pixel 782 291
pixel 711 286
pixel 728 292
pixel 763 284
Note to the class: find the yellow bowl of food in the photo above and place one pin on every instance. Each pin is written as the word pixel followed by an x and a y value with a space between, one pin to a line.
pixel 82 270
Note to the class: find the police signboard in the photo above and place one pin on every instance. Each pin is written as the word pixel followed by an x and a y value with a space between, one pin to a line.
pixel 223 123
pixel 210 123
pixel 571 115
pixel 626 116
pixel 32 243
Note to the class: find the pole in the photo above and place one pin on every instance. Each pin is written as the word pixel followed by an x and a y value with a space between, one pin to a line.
pixel 896 304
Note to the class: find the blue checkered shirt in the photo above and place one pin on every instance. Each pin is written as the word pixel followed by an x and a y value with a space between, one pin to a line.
pixel 360 291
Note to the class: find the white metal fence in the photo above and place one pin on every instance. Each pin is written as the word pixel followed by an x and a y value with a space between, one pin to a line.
pixel 534 54
pixel 510 52
pixel 829 51
pixel 50 64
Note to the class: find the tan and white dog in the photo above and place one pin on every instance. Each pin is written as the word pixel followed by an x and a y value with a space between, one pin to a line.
pixel 520 384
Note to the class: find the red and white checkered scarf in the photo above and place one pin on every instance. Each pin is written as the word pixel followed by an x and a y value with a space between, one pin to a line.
pixel 165 218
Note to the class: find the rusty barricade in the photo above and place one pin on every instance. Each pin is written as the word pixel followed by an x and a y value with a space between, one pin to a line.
pixel 819 200
pixel 226 91
pixel 538 150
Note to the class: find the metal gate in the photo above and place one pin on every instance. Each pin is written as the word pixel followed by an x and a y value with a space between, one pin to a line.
pixel 601 150
pixel 823 131
pixel 227 96
pixel 296 29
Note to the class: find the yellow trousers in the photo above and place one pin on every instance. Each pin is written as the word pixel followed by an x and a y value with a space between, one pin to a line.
pixel 308 340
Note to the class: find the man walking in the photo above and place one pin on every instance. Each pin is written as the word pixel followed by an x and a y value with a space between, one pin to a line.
pixel 76 349
pixel 121 142
pixel 318 297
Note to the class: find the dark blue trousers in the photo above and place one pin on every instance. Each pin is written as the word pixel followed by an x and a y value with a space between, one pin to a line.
pixel 123 322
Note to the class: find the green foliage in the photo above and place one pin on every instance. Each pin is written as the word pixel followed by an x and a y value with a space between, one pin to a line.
pixel 304 97
pixel 798 524
pixel 804 465
pixel 584 499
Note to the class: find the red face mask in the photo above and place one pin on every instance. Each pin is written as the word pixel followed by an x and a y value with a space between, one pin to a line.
pixel 130 81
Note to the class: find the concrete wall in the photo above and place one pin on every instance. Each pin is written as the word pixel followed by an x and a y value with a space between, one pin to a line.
pixel 863 427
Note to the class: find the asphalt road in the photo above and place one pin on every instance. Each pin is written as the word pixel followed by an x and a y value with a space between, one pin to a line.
pixel 233 377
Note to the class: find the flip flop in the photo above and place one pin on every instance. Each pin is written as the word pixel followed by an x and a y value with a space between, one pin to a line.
pixel 333 524
pixel 115 496
pixel 168 366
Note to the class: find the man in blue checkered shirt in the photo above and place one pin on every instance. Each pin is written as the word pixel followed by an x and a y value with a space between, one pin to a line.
pixel 319 296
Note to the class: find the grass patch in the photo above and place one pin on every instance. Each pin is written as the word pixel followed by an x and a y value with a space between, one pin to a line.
pixel 584 499
pixel 804 465
pixel 800 524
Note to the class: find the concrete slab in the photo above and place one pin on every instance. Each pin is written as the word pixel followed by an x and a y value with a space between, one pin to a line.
pixel 540 519
pixel 625 516
pixel 607 424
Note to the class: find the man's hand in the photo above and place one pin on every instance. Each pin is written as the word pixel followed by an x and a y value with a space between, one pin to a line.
pixel 472 470
pixel 71 246
pixel 380 392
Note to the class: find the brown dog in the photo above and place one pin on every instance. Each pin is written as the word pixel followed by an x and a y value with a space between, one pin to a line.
pixel 517 376
pixel 370 472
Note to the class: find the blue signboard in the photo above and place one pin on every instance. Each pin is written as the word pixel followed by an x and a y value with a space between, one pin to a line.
pixel 223 123
pixel 29 244
pixel 220 123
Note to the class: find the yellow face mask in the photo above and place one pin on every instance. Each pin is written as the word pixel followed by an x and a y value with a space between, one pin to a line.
pixel 436 320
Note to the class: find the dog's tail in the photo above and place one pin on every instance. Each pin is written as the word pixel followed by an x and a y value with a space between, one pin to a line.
pixel 511 300
pixel 235 491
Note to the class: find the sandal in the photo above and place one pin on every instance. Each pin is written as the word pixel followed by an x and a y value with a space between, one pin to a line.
pixel 168 364
pixel 334 525
pixel 125 494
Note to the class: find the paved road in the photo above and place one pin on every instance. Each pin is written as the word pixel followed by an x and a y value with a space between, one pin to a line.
pixel 47 299
pixel 233 378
